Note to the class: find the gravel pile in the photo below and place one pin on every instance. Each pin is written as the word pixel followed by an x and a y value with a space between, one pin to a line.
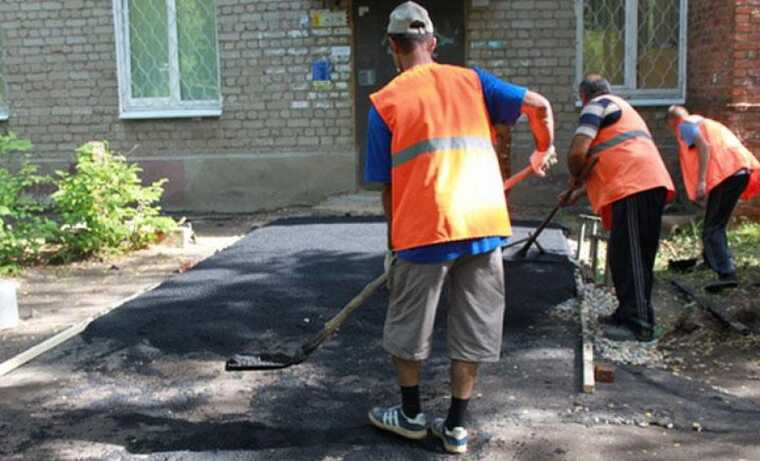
pixel 601 301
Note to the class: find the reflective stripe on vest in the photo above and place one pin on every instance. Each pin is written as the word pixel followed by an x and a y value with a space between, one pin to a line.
pixel 630 162
pixel 440 145
pixel 619 139
pixel 446 183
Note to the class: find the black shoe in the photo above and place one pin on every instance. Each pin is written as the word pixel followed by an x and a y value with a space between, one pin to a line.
pixel 626 333
pixel 612 320
pixel 619 333
pixel 725 281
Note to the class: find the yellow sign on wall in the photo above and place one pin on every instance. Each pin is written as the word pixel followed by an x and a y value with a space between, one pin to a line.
pixel 328 18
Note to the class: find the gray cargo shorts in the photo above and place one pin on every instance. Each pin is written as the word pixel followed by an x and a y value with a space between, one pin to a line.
pixel 475 287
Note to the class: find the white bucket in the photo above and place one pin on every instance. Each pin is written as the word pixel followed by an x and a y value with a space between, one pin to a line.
pixel 8 304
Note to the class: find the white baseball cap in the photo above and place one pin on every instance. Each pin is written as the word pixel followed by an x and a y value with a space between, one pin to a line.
pixel 410 18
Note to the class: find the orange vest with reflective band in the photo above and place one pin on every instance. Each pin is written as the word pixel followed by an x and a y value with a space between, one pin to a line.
pixel 629 162
pixel 727 156
pixel 445 178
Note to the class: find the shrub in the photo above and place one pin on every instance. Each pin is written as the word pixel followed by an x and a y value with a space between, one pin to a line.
pixel 24 229
pixel 103 206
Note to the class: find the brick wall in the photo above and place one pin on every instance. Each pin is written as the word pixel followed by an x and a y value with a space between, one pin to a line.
pixel 278 142
pixel 532 43
pixel 724 69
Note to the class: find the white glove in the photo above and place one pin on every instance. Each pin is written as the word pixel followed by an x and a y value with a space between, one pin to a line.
pixel 388 262
pixel 542 161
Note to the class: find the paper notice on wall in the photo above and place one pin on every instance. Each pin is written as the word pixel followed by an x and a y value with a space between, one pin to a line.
pixel 328 18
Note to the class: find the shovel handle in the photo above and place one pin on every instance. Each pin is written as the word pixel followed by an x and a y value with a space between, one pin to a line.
pixel 517 178
pixel 332 325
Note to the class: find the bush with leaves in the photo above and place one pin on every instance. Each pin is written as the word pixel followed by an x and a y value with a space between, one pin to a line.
pixel 24 229
pixel 103 206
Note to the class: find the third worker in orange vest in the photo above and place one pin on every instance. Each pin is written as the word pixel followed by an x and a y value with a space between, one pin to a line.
pixel 430 144
pixel 628 187
pixel 716 166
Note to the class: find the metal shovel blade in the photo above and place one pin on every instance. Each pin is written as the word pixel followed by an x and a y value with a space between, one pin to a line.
pixel 262 362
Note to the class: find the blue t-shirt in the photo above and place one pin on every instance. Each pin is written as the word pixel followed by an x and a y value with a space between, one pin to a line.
pixel 689 132
pixel 503 101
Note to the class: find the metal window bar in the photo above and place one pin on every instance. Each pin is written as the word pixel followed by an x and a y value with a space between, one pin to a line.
pixel 168 58
pixel 646 60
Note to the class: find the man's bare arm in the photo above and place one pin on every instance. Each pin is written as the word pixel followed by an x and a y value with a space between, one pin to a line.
pixel 540 118
pixel 703 146
pixel 576 158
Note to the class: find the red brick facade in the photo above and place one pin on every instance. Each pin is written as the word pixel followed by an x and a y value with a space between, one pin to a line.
pixel 724 68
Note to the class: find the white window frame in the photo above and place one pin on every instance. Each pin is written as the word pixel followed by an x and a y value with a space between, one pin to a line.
pixel 4 108
pixel 629 90
pixel 151 108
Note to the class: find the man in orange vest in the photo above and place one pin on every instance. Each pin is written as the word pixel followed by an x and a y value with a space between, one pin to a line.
pixel 715 165
pixel 430 144
pixel 628 187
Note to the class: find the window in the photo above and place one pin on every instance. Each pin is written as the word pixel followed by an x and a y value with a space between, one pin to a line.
pixel 168 58
pixel 638 45
pixel 3 89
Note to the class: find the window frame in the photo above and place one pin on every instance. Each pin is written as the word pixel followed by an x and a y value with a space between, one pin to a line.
pixel 4 106
pixel 170 107
pixel 629 90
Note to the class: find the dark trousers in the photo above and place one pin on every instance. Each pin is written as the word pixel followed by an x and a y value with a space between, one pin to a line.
pixel 720 204
pixel 634 240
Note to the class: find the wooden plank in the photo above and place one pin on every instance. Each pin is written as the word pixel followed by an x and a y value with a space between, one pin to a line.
pixel 589 382
pixel 705 304
pixel 60 338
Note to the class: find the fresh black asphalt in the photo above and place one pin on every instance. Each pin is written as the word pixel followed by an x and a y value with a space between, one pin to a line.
pixel 277 286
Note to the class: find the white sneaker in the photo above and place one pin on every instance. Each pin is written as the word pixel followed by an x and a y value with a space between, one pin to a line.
pixel 394 420
pixel 454 440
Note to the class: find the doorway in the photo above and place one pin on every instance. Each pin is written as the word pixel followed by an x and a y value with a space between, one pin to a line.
pixel 373 64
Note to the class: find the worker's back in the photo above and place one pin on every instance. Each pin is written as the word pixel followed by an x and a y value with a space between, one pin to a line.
pixel 446 179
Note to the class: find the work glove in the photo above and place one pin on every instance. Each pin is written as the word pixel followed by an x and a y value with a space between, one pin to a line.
pixel 388 262
pixel 542 161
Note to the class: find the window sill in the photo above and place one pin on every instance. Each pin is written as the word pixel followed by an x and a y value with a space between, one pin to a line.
pixel 154 114
pixel 645 102
pixel 3 116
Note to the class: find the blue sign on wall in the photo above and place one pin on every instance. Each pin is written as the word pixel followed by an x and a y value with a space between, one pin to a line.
pixel 320 70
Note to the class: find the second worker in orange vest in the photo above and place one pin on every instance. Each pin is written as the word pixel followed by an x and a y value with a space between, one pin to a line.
pixel 717 167
pixel 628 187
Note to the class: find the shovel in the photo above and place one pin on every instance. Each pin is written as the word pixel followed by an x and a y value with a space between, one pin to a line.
pixel 523 251
pixel 279 358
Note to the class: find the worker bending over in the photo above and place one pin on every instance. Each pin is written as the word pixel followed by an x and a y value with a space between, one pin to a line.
pixel 628 187
pixel 716 166
pixel 430 143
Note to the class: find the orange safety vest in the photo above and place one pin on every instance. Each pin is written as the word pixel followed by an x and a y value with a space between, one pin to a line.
pixel 727 156
pixel 629 162
pixel 445 178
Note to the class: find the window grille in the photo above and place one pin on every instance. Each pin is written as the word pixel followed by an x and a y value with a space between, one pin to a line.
pixel 168 58
pixel 638 45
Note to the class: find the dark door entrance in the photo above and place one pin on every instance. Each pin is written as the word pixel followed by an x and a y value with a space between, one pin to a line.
pixel 373 62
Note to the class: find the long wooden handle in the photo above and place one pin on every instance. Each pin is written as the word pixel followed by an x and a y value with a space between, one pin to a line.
pixel 518 177
pixel 334 323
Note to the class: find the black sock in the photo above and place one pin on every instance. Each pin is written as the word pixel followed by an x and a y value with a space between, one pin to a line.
pixel 456 413
pixel 410 401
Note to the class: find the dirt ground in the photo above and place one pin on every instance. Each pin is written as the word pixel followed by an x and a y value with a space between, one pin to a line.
pixel 128 398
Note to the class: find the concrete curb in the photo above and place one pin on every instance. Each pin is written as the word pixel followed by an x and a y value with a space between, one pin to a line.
pixel 58 339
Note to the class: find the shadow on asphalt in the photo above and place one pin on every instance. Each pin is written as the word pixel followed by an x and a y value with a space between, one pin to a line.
pixel 278 285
